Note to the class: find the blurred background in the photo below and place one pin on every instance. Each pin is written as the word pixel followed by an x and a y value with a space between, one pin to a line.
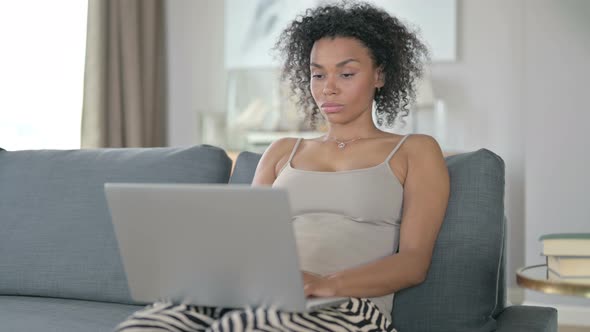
pixel 507 75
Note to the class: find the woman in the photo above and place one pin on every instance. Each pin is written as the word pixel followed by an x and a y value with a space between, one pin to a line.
pixel 348 188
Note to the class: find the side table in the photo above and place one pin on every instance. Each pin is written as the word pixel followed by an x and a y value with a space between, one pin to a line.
pixel 535 277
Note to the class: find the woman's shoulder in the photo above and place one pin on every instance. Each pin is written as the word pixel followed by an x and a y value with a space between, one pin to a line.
pixel 420 146
pixel 410 137
pixel 413 141
pixel 281 145
pixel 412 146
pixel 267 168
pixel 287 144
pixel 422 142
pixel 279 149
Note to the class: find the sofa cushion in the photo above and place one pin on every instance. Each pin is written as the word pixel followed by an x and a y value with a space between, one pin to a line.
pixel 25 314
pixel 460 291
pixel 245 168
pixel 56 236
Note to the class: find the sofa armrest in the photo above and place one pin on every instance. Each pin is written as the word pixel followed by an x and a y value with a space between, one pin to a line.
pixel 522 318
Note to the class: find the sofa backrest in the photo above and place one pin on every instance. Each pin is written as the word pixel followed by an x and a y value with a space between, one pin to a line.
pixel 465 286
pixel 245 168
pixel 56 236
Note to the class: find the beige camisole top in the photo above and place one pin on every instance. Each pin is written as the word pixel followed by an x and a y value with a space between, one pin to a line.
pixel 343 219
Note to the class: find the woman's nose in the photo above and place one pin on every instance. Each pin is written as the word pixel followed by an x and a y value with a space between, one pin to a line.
pixel 330 87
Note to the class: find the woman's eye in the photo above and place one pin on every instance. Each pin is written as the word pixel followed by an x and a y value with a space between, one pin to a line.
pixel 317 76
pixel 348 75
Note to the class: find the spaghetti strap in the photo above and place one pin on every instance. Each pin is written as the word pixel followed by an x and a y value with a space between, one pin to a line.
pixel 288 163
pixel 294 150
pixel 396 148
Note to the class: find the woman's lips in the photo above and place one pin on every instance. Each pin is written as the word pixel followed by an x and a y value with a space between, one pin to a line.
pixel 332 107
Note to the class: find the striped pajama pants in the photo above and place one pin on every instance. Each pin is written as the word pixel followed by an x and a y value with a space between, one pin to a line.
pixel 354 315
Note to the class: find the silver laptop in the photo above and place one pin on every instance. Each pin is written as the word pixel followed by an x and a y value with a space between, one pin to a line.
pixel 227 246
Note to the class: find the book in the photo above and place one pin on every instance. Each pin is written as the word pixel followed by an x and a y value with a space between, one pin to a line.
pixel 569 266
pixel 566 244
pixel 572 280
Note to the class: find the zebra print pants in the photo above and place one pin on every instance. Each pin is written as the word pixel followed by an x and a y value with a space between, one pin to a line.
pixel 354 315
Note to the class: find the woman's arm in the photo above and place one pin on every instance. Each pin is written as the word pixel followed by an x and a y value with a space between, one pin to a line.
pixel 426 194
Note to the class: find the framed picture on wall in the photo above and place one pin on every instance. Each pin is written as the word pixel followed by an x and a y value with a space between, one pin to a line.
pixel 253 27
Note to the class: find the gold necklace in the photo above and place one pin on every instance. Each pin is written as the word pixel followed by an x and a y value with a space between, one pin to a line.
pixel 342 144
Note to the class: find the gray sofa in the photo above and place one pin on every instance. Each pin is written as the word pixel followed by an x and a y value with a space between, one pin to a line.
pixel 60 269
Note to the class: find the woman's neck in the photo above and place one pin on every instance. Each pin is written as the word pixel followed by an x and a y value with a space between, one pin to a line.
pixel 348 132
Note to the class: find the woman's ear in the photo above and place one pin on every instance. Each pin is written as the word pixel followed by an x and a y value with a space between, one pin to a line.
pixel 379 77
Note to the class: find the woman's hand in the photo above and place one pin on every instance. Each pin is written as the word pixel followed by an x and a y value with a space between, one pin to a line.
pixel 316 285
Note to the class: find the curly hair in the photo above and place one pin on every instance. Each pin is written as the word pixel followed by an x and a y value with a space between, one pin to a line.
pixel 392 45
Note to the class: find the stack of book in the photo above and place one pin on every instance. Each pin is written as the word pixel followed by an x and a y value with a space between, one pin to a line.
pixel 568 257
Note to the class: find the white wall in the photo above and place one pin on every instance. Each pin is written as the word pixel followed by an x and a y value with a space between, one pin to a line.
pixel 520 88
pixel 196 75
pixel 482 91
pixel 557 113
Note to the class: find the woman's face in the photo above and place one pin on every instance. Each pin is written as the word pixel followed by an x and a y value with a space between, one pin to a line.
pixel 343 78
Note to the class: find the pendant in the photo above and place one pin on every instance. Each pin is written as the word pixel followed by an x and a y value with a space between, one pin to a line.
pixel 341 145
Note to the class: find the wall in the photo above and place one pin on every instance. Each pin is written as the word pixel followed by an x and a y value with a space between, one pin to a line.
pixel 520 89
pixel 196 80
pixel 482 92
pixel 557 114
